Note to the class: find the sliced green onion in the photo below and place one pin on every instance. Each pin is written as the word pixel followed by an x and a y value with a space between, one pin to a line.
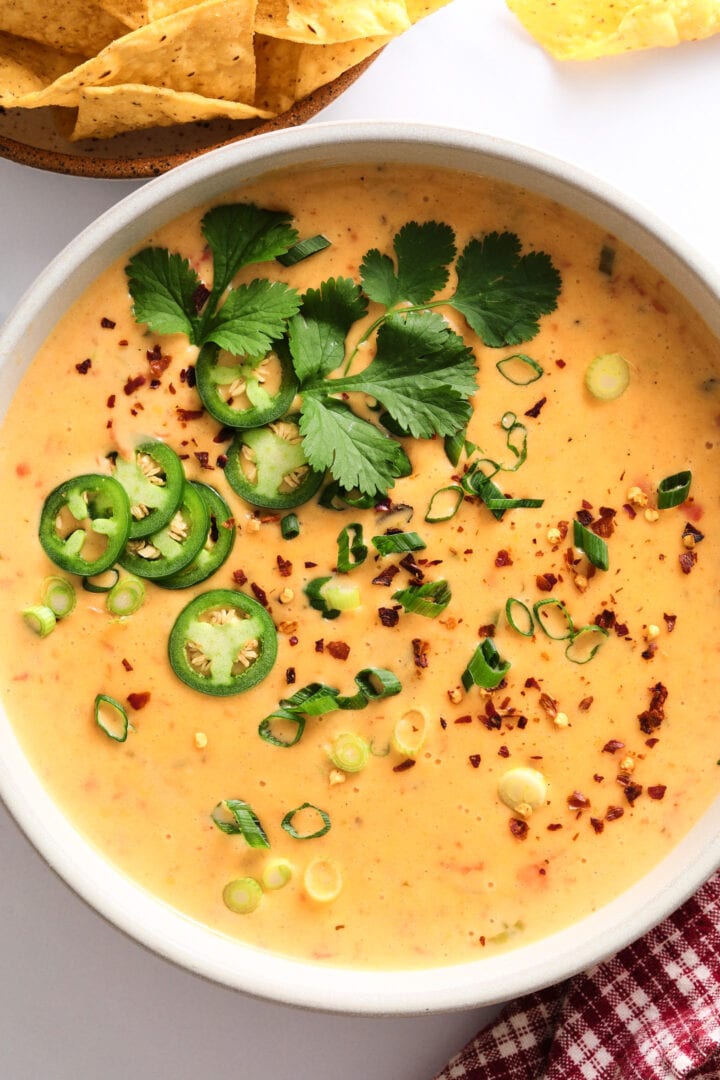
pixel 272 728
pixel 520 451
pixel 429 599
pixel 59 595
pixel 40 619
pixel 315 699
pixel 485 669
pixel 583 654
pixel 544 610
pixel 378 683
pixel 313 591
pixel 674 489
pixel 99 583
pixel 236 818
pixel 111 717
pixel 126 596
pixel 349 752
pixel 409 733
pixel 352 551
pixel 457 444
pixel 289 527
pixel 445 503
pixel 519 369
pixel 510 605
pixel 323 880
pixel 332 596
pixel 502 504
pixel 336 497
pixel 475 482
pixel 242 895
pixel 507 420
pixel 303 250
pixel 592 545
pixel 608 376
pixel 276 874
pixel 288 826
pixel 399 542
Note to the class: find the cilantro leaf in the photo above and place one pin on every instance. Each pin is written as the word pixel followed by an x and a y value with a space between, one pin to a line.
pixel 423 254
pixel 317 334
pixel 242 233
pixel 357 454
pixel 423 374
pixel 252 317
pixel 163 288
pixel 502 293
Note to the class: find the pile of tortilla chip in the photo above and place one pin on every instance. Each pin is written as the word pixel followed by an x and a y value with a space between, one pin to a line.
pixel 587 29
pixel 120 65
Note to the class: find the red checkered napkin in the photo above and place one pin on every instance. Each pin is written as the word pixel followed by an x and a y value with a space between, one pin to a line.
pixel 652 1012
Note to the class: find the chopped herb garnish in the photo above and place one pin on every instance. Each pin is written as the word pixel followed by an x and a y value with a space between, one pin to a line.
pixel 486 668
pixel 592 545
pixel 519 369
pixel 674 490
pixel 289 827
pixel 398 542
pixel 352 550
pixel 429 599
pixel 303 250
pixel 236 818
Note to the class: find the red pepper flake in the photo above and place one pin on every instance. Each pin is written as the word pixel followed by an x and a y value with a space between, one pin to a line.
pixel 284 566
pixel 503 752
pixel 467 719
pixel 389 616
pixel 187 375
pixel 420 650
pixel 443 723
pixel 486 631
pixel 239 577
pixel 532 684
pixel 546 582
pixel 409 564
pixel 84 366
pixel 111 402
pixel 139 700
pixel 199 297
pixel 657 791
pixel 650 650
pixel 621 629
pixel 522 722
pixel 605 619
pixel 107 324
pixel 320 645
pixel 554 826
pixel 586 703
pixel 560 363
pixel 578 801
pixel 134 384
pixel 185 415
pixel 293 640
pixel 651 742
pixel 404 765
pixel 221 461
pixel 534 412
pixel 224 435
pixel 518 828
pixel 127 665
pixel 613 813
pixel 690 530
pixel 310 565
pixel 630 510
pixel 474 760
pixel 653 717
pixel 549 704
pixel 387 575
pixel 632 791
pixel 340 650
pixel 290 675
pixel 503 558
pixel 228 523
pixel 597 824
pixel 604 526
pixel 260 594
pixel 670 621
pixel 612 746
pixel 584 517
pixel 203 458
pixel 687 560
pixel 598 778
pixel 123 343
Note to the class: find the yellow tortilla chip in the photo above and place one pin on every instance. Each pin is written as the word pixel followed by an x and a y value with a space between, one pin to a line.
pixel 136 13
pixel 320 64
pixel 288 71
pixel 586 29
pixel 192 52
pixel 322 22
pixel 27 66
pixel 73 26
pixel 419 9
pixel 109 110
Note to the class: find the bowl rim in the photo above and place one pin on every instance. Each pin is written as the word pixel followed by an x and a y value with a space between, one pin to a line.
pixel 125 904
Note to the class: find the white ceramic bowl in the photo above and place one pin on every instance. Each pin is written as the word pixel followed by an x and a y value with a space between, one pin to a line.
pixel 152 922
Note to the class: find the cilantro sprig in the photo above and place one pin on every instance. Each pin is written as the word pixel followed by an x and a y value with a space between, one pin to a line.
pixel 421 371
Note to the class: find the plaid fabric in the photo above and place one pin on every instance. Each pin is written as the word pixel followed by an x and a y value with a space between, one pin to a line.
pixel 652 1012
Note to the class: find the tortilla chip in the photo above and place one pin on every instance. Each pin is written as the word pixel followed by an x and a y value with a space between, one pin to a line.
pixel 586 29
pixel 288 71
pixel 27 66
pixel 320 64
pixel 136 13
pixel 322 22
pixel 108 110
pixel 192 52
pixel 419 9
pixel 72 26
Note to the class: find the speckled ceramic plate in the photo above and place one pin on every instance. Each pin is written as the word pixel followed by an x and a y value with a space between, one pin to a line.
pixel 34 137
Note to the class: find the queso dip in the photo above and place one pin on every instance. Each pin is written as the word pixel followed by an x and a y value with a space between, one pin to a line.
pixel 468 818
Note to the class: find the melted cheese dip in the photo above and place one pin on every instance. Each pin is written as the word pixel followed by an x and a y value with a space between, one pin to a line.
pixel 436 868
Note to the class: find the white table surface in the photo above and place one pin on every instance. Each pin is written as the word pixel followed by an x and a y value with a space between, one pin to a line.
pixel 78 1000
